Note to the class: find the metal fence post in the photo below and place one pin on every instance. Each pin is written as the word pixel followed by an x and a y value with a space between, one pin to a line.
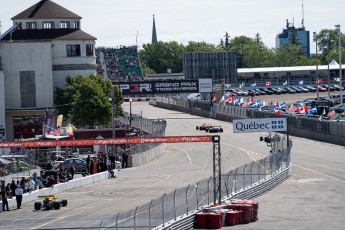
pixel 187 197
pixel 244 175
pixel 197 195
pixel 208 190
pixel 163 208
pixel 175 202
pixel 135 214
pixel 251 174
pixel 116 222
pixel 150 213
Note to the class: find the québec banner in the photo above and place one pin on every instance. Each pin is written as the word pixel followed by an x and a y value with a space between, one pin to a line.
pixel 160 87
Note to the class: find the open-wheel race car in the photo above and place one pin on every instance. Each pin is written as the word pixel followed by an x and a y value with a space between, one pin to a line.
pixel 203 127
pixel 49 202
pixel 214 129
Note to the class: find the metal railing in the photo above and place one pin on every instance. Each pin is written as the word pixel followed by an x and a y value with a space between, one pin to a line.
pixel 149 128
pixel 182 201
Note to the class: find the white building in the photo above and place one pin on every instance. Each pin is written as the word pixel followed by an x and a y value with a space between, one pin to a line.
pixel 44 46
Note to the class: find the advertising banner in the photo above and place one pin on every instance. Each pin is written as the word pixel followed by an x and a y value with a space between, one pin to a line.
pixel 205 85
pixel 159 87
pixel 259 125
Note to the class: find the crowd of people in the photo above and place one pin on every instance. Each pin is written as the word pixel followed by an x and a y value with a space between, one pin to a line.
pixel 122 64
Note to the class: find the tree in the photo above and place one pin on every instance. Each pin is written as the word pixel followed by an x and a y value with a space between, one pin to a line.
pixel 293 36
pixel 227 38
pixel 162 56
pixel 85 101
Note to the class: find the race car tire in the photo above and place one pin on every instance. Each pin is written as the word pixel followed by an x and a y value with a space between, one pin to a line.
pixel 64 203
pixel 207 130
pixel 221 130
pixel 197 128
pixel 38 205
pixel 57 205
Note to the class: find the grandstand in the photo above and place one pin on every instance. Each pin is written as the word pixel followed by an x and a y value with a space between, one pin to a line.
pixel 119 64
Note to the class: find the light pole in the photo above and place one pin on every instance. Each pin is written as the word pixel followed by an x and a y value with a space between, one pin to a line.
pixel 329 81
pixel 112 119
pixel 130 111
pixel 317 68
pixel 340 77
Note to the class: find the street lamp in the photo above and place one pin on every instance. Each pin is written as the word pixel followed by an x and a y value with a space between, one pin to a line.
pixel 130 111
pixel 112 118
pixel 317 68
pixel 326 35
pixel 340 77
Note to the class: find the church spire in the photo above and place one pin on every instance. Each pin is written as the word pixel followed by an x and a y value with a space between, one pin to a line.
pixel 154 34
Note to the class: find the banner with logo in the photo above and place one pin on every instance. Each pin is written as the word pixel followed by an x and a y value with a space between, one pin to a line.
pixel 160 87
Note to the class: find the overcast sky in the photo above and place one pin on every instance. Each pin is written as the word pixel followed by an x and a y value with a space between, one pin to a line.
pixel 116 22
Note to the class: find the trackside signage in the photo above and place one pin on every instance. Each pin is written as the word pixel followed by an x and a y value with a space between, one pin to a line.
pixel 259 125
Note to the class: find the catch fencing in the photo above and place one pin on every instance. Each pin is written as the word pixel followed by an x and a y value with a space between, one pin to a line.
pixel 21 161
pixel 147 127
pixel 174 206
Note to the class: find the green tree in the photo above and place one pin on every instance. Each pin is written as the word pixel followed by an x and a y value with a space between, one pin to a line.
pixel 293 37
pixel 162 56
pixel 86 100
pixel 200 47
pixel 290 55
pixel 227 38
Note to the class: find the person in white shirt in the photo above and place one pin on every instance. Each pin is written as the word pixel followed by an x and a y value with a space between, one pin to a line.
pixel 19 196
pixel 31 184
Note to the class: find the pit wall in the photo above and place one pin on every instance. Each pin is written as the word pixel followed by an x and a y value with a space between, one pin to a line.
pixel 58 188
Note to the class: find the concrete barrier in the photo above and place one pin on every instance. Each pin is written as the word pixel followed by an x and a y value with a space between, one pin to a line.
pixel 58 188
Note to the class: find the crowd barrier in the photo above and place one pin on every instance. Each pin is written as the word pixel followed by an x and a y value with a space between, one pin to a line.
pixel 58 188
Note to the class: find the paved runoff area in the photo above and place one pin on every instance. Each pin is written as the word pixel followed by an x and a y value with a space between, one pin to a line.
pixel 312 198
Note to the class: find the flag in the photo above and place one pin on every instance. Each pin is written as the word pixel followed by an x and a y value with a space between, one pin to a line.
pixel 277 111
pixel 263 103
pixel 285 83
pixel 292 109
pixel 301 82
pixel 59 120
pixel 47 114
pixel 268 83
pixel 214 98
pixel 241 100
pixel 338 118
pixel 282 106
pixel 241 85
pixel 342 114
pixel 312 111
pixel 253 85
pixel 306 108
pixel 337 79
pixel 256 104
pixel 318 81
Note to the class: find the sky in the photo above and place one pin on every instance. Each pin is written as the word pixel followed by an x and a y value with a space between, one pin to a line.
pixel 128 22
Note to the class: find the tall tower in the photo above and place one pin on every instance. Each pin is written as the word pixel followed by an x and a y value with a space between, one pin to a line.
pixel 154 34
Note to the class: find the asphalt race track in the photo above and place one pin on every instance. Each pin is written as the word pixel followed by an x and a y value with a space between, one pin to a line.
pixel 312 198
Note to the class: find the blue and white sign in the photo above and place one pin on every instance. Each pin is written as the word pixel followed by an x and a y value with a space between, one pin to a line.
pixel 259 125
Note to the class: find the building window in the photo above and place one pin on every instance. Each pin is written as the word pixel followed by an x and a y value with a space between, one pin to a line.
pixel 64 25
pixel 76 24
pixel 31 25
pixel 73 50
pixel 27 89
pixel 48 25
pixel 89 49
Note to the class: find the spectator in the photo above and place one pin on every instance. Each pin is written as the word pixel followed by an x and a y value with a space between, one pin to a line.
pixel 124 160
pixel 4 196
pixel 13 188
pixel 19 196
pixel 31 184
pixel 72 170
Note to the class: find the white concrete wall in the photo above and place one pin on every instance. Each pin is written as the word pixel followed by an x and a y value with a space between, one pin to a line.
pixel 28 56
pixel 58 188
pixel 59 77
pixel 60 53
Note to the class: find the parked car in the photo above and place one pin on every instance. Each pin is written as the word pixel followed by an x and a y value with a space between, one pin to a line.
pixel 290 90
pixel 321 89
pixel 283 90
pixel 337 87
pixel 331 88
pixel 260 91
pixel 311 88
pixel 267 91
pixel 296 89
pixel 304 90
pixel 275 91
pixel 78 164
